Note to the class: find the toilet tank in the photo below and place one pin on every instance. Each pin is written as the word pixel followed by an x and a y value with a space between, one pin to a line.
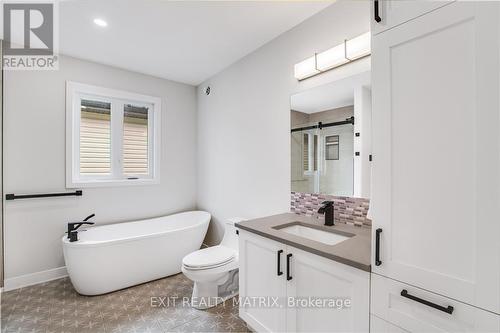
pixel 230 238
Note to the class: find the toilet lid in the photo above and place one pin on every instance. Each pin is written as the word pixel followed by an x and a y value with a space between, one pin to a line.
pixel 209 257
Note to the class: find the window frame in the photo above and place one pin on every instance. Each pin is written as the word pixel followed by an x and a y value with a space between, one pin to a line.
pixel 75 92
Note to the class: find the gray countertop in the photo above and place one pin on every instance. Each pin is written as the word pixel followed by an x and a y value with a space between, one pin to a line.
pixel 355 251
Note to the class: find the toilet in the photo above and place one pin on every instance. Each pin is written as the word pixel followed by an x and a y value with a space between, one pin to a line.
pixel 214 270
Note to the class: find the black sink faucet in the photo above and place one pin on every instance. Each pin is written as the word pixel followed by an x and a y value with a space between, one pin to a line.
pixel 328 210
pixel 73 226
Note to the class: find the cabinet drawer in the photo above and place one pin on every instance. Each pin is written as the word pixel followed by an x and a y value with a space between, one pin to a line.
pixel 415 316
pixel 378 325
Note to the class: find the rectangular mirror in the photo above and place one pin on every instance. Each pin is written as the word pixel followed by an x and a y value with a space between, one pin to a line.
pixel 329 153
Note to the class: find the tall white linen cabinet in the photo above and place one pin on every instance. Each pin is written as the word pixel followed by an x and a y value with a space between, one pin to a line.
pixel 435 198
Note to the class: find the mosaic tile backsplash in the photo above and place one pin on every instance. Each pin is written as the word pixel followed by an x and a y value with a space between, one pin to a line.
pixel 348 210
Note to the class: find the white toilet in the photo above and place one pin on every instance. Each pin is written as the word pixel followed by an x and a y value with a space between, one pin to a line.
pixel 214 270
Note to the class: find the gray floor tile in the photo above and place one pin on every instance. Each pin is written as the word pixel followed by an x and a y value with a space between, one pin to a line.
pixel 55 307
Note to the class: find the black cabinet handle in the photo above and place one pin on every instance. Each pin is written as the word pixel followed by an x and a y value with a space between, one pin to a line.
pixel 279 262
pixel 288 275
pixel 378 262
pixel 376 12
pixel 449 309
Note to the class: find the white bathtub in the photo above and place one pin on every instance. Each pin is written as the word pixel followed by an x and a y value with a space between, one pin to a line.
pixel 112 257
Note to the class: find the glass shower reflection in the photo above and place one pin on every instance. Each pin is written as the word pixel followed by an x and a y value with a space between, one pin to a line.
pixel 322 154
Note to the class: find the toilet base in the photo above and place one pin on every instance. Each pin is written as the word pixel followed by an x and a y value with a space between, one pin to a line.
pixel 209 294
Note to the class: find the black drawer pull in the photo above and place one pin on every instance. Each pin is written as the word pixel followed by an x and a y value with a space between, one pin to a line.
pixel 448 309
pixel 376 12
pixel 288 275
pixel 280 272
pixel 378 262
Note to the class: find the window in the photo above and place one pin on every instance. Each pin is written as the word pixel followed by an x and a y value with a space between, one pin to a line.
pixel 315 153
pixel 95 137
pixel 306 151
pixel 332 147
pixel 310 152
pixel 113 137
pixel 135 140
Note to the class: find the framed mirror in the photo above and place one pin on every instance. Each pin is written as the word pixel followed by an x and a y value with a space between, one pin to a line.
pixel 330 138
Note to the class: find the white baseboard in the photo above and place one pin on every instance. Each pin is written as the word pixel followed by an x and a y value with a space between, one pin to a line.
pixel 34 278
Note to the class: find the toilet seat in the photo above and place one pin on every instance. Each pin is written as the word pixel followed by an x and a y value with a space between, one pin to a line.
pixel 211 257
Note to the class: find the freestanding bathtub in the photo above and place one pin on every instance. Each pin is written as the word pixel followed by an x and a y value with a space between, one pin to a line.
pixel 115 256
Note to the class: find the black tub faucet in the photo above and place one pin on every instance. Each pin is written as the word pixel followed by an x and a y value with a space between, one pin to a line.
pixel 328 210
pixel 73 226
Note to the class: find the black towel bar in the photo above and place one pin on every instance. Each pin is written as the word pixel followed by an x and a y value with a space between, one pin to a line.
pixel 12 196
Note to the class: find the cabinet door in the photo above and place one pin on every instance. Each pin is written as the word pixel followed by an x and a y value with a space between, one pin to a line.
pixel 259 280
pixel 435 191
pixel 314 277
pixel 395 12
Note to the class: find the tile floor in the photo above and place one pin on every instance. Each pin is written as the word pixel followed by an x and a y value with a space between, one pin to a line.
pixel 55 307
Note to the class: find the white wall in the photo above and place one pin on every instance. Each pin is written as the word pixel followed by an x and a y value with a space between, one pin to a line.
pixel 34 161
pixel 244 124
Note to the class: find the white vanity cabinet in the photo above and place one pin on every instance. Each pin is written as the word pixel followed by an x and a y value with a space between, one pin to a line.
pixel 259 280
pixel 322 278
pixel 436 159
pixel 300 277
pixel 387 14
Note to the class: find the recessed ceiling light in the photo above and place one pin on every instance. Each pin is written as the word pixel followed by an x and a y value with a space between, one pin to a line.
pixel 100 22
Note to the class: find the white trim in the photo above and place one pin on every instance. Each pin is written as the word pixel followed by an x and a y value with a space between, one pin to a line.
pixel 34 278
pixel 117 98
pixel 113 182
pixel 116 137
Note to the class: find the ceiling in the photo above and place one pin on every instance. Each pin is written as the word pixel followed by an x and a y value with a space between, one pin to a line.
pixel 185 41
pixel 330 96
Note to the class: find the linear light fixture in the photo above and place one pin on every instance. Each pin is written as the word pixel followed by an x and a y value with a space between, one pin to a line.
pixel 334 57
pixel 306 68
pixel 358 47
pixel 351 50
pixel 100 22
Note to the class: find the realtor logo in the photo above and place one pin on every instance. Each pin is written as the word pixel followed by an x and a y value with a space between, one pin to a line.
pixel 29 36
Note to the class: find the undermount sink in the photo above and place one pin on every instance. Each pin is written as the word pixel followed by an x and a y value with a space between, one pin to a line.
pixel 318 235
